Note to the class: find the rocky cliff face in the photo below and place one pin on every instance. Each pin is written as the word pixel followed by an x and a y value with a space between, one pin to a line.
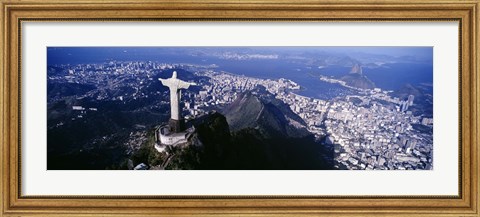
pixel 357 79
pixel 356 69
pixel 260 110
pixel 266 135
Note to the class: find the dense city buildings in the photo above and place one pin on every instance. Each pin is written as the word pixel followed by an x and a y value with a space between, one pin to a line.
pixel 367 130
pixel 366 135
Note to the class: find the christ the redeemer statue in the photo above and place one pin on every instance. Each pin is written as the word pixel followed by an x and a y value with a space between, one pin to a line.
pixel 176 122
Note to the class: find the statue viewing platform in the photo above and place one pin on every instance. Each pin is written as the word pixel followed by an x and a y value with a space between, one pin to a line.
pixel 165 137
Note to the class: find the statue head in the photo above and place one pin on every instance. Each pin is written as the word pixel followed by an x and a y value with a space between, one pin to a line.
pixel 174 74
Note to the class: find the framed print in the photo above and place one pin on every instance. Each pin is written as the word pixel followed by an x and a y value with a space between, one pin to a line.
pixel 254 108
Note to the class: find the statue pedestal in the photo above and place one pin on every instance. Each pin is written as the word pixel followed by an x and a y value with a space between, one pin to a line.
pixel 176 126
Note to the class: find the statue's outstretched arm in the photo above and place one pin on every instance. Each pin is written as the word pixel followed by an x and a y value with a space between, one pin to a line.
pixel 162 80
pixel 184 85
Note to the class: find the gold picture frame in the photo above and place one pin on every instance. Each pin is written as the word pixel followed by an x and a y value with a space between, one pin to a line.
pixel 15 12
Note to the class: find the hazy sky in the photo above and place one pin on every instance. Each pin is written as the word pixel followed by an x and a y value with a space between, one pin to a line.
pixel 72 54
pixel 390 51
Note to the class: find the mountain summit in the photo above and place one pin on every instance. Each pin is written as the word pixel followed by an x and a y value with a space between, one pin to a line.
pixel 260 110
pixel 265 134
pixel 357 79
pixel 356 69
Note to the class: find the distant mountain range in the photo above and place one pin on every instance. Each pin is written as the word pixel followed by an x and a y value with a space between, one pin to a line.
pixel 320 55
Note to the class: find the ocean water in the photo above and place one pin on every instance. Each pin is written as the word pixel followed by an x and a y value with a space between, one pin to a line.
pixel 305 76
pixel 388 77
